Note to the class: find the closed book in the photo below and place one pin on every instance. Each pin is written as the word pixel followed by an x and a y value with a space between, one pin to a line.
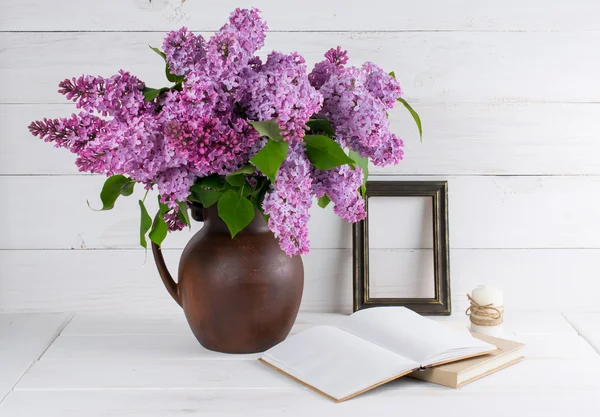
pixel 458 374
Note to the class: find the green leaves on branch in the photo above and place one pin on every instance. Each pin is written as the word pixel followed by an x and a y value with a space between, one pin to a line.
pixel 235 210
pixel 237 178
pixel 268 128
pixel 159 226
pixel 114 187
pixel 145 224
pixel 183 214
pixel 207 190
pixel 233 196
pixel 320 126
pixel 413 113
pixel 159 52
pixel 214 182
pixel 363 163
pixel 415 116
pixel 171 77
pixel 325 153
pixel 151 93
pixel 204 196
pixel 270 158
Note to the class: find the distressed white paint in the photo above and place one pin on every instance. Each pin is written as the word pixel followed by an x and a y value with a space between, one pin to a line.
pixel 23 339
pixel 485 212
pixel 375 15
pixel 504 89
pixel 293 403
pixel 99 366
pixel 113 281
pixel 588 326
pixel 443 67
pixel 509 95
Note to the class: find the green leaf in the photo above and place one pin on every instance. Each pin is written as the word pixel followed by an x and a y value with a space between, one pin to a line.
pixel 205 196
pixel 246 169
pixel 320 125
pixel 213 181
pixel 236 180
pixel 151 93
pixel 236 211
pixel 363 163
pixel 324 153
pixel 245 190
pixel 159 52
pixel 392 74
pixel 114 187
pixel 183 214
pixel 268 128
pixel 145 224
pixel 414 115
pixel 270 158
pixel 159 226
pixel 324 201
pixel 171 77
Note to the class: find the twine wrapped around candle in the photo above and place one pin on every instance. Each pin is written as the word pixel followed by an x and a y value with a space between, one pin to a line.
pixel 484 315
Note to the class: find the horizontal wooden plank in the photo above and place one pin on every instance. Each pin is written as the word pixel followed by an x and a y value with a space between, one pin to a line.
pixel 153 344
pixel 588 326
pixel 169 346
pixel 93 324
pixel 23 339
pixel 432 66
pixel 296 403
pixel 484 212
pixel 105 282
pixel 460 139
pixel 308 15
pixel 149 374
pixel 518 323
pixel 251 374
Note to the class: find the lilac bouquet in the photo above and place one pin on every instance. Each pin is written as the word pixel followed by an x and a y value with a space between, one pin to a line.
pixel 234 131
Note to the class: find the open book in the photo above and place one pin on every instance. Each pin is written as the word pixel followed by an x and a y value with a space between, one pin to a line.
pixel 368 349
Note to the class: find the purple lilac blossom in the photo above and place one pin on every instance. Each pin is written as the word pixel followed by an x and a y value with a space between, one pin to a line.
pixel 355 101
pixel 202 128
pixel 183 50
pixel 173 222
pixel 280 91
pixel 341 185
pixel 288 202
pixel 119 96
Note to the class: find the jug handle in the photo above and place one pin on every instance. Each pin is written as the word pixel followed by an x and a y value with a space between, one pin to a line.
pixel 163 271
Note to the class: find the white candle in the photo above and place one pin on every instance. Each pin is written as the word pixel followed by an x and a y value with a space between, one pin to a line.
pixel 486 295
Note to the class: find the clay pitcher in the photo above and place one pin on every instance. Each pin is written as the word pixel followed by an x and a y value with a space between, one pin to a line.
pixel 239 295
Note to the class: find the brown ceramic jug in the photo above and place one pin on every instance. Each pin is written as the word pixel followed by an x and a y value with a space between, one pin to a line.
pixel 239 295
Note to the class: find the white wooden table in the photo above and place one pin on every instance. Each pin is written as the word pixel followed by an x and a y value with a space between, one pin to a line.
pixel 86 366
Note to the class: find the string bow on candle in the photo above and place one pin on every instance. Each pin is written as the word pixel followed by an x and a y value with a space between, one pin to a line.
pixel 484 315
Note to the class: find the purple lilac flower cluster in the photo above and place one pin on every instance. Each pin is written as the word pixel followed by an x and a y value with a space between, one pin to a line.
pixel 201 126
pixel 355 102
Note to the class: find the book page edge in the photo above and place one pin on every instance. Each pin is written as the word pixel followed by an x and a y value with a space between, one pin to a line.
pixel 270 365
pixel 462 358
pixel 491 371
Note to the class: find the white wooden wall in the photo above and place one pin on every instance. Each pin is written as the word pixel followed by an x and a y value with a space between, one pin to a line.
pixel 509 94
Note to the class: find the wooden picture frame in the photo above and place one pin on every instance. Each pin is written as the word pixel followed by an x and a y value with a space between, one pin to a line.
pixel 438 192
